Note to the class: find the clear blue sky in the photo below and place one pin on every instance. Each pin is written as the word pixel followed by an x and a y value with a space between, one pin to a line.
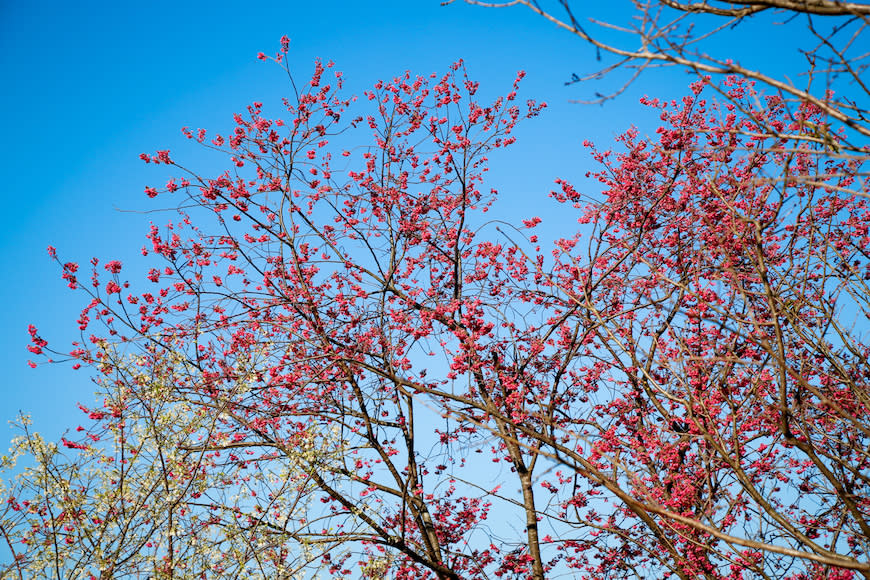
pixel 88 86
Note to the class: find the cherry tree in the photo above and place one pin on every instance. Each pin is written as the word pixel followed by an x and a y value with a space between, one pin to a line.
pixel 341 344
pixel 717 328
pixel 288 330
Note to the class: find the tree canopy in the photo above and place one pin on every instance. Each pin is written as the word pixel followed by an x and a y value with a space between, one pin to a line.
pixel 340 346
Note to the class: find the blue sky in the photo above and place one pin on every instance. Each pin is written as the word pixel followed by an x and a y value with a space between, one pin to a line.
pixel 91 85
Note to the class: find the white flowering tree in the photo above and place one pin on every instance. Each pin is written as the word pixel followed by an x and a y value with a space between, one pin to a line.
pixel 130 497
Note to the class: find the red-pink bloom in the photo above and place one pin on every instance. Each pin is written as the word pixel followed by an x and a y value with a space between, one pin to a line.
pixel 72 444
